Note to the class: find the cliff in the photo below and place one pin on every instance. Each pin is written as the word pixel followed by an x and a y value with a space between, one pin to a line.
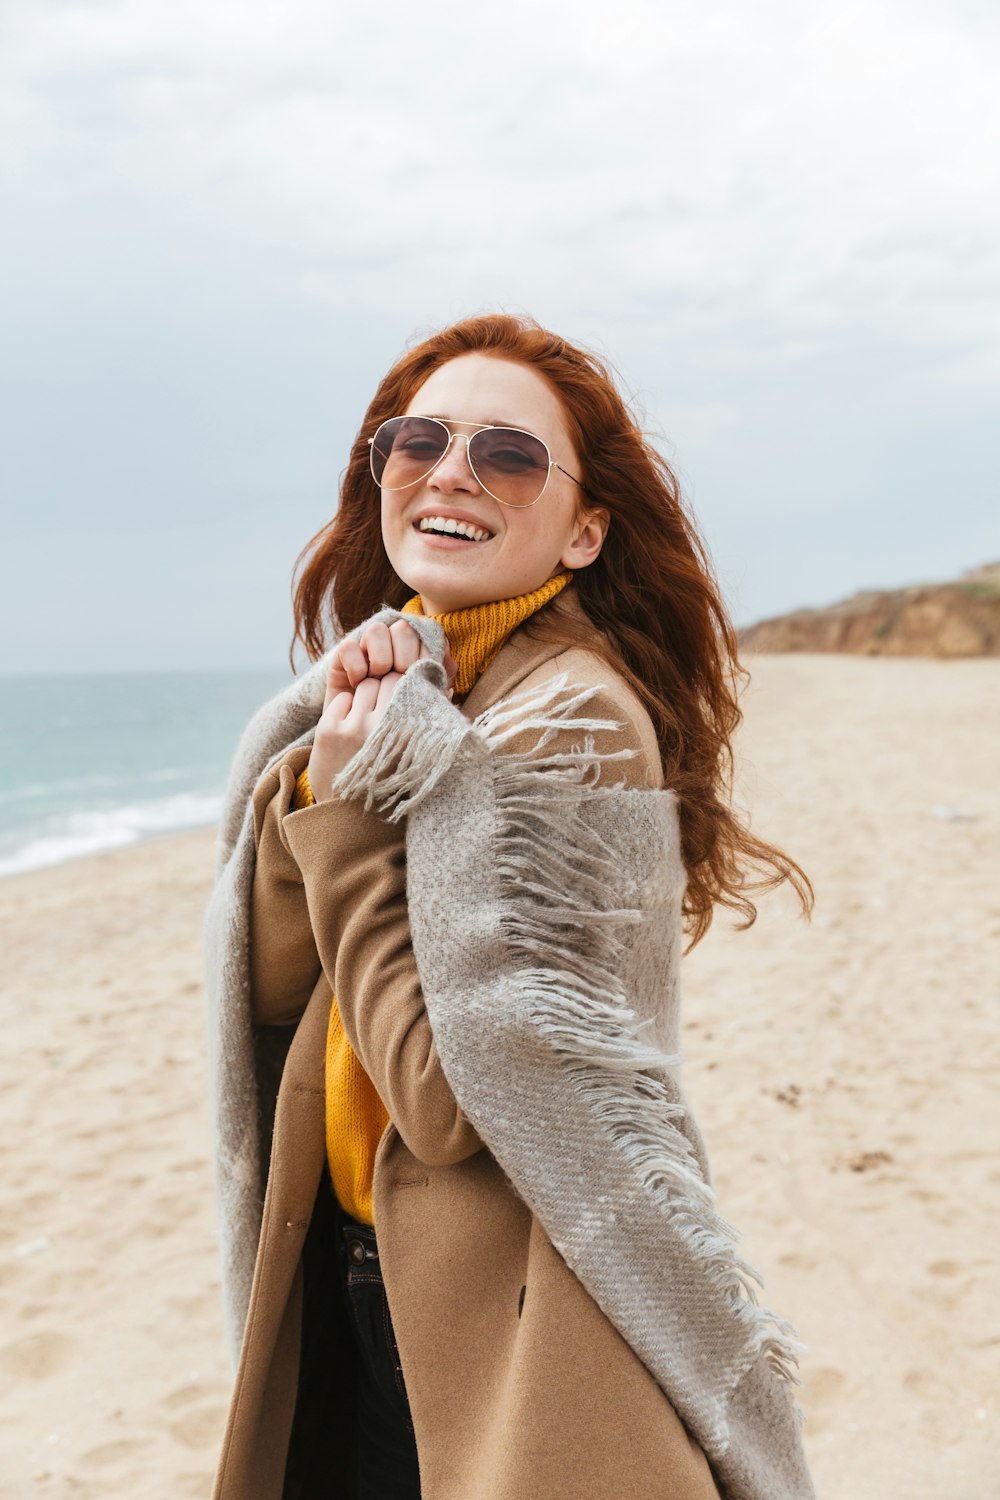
pixel 956 618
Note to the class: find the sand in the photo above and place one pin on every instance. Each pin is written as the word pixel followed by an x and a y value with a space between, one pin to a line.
pixel 843 1071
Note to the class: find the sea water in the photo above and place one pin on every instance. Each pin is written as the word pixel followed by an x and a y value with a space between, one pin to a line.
pixel 95 762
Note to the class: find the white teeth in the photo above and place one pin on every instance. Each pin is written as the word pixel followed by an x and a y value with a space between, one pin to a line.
pixel 446 523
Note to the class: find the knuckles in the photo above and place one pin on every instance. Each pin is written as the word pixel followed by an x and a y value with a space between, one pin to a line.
pixel 381 651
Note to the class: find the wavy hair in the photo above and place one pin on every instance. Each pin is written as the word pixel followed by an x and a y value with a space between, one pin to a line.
pixel 651 591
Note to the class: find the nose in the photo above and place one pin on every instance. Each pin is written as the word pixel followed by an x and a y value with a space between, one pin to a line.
pixel 454 472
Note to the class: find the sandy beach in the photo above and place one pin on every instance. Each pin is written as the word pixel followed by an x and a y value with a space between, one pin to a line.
pixel 844 1073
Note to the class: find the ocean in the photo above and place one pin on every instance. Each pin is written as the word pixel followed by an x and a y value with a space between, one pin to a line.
pixel 96 762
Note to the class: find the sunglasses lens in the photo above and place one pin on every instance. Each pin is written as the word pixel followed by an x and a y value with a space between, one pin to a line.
pixel 512 465
pixel 405 449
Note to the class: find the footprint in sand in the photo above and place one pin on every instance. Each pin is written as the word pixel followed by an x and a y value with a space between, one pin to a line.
pixel 822 1393
pixel 188 1307
pixel 826 1383
pixel 89 1174
pixel 193 1165
pixel 925 1195
pixel 31 1310
pixel 925 1384
pixel 202 1427
pixel 953 1283
pixel 107 1454
pixel 36 1355
pixel 176 1206
pixel 797 1262
pixel 183 1396
pixel 36 1205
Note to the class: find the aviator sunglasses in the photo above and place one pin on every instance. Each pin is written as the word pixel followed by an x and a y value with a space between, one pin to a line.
pixel 511 465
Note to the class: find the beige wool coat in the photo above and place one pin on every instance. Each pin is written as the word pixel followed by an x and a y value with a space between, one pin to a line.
pixel 519 1386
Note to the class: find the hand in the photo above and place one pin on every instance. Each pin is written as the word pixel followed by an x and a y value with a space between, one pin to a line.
pixel 362 677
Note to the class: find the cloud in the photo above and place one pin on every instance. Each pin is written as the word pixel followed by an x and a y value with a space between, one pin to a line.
pixel 785 156
pixel 779 220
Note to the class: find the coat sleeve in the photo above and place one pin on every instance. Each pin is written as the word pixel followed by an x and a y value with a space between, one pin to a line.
pixel 353 870
pixel 284 961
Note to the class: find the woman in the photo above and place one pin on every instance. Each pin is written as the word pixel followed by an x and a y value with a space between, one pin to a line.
pixel 456 864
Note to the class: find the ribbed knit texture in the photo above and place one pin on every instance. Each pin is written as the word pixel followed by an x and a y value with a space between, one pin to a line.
pixel 475 635
pixel 355 1115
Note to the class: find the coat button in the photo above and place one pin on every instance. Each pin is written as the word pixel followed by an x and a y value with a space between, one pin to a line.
pixel 356 1251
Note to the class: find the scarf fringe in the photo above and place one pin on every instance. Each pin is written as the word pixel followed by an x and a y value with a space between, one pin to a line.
pixel 559 871
pixel 557 866
pixel 411 755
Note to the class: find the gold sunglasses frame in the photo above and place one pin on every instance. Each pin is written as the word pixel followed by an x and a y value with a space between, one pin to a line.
pixel 467 438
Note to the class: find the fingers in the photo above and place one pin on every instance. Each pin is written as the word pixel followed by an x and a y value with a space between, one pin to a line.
pixel 348 667
pixel 391 648
pixel 395 647
pixel 353 661
pixel 345 724
pixel 407 645
pixel 366 695
pixel 386 688
pixel 381 650
pixel 369 698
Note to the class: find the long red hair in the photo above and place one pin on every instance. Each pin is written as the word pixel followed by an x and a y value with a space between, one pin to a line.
pixel 651 591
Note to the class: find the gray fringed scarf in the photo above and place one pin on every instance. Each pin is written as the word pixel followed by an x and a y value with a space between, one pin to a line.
pixel 555 1010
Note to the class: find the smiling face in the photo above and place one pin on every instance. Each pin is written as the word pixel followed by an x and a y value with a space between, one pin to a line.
pixel 528 544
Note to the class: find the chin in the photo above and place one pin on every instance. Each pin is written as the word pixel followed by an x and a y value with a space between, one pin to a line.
pixel 446 604
pixel 451 594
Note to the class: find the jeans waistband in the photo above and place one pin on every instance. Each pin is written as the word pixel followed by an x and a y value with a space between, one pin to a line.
pixel 354 1233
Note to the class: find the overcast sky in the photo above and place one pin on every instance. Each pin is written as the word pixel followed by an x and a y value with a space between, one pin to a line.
pixel 222 222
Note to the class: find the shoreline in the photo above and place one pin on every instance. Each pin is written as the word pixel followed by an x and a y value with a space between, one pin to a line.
pixel 73 861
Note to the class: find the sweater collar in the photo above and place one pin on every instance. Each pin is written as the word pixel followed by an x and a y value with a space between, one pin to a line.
pixel 476 634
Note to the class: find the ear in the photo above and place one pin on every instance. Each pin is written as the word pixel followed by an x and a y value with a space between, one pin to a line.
pixel 589 531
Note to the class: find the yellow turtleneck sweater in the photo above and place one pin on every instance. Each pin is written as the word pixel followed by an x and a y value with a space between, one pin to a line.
pixel 355 1115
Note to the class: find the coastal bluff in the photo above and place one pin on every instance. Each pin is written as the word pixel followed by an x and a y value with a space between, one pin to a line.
pixel 957 618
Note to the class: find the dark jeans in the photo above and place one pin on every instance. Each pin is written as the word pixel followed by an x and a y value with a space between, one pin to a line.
pixel 386 1448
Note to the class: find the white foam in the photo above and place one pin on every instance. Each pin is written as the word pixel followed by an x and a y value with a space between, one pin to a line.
pixel 57 787
pixel 33 790
pixel 83 833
